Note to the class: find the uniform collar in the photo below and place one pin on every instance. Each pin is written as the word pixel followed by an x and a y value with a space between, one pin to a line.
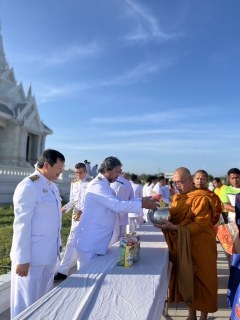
pixel 101 177
pixel 42 177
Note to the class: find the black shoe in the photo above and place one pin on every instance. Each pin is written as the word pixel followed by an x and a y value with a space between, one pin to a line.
pixel 60 276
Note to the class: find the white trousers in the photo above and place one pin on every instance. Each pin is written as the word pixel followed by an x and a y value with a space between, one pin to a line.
pixel 27 290
pixel 123 230
pixel 134 223
pixel 114 240
pixel 69 254
pixel 84 257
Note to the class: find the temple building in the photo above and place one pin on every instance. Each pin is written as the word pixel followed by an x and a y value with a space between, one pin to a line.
pixel 22 133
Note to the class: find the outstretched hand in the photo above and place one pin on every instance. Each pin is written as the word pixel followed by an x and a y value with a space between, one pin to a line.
pixel 149 203
pixel 167 225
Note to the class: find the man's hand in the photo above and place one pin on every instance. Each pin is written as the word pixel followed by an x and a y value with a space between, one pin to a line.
pixel 229 207
pixel 63 209
pixel 166 226
pixel 22 269
pixel 77 215
pixel 149 203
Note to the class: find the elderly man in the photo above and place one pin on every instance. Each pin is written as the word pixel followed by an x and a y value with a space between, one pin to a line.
pixel 95 229
pixel 36 238
pixel 192 246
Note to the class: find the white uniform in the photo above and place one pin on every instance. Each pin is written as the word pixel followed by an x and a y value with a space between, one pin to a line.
pixel 95 228
pixel 147 192
pixel 119 191
pixel 94 171
pixel 157 189
pixel 77 193
pixel 166 194
pixel 36 239
pixel 135 221
pixel 88 168
pixel 129 195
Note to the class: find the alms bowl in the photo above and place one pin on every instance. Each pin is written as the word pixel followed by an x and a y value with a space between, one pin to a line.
pixel 157 216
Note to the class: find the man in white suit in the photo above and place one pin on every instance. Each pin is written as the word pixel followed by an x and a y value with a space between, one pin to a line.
pixel 95 229
pixel 129 195
pixel 135 221
pixel 77 198
pixel 36 238
pixel 119 190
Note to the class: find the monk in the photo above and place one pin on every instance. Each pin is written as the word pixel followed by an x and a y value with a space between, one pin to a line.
pixel 200 180
pixel 192 247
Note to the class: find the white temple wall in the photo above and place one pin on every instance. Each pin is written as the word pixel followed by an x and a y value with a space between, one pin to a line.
pixel 10 177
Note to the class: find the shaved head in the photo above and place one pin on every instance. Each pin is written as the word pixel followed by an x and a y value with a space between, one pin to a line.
pixel 183 180
pixel 203 172
pixel 183 172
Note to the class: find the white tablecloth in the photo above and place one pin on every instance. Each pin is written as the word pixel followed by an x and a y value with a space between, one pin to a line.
pixel 103 290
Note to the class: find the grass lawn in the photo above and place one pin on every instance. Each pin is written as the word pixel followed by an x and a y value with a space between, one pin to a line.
pixel 6 232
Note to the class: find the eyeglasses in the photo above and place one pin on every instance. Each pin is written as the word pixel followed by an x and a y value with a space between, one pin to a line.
pixel 180 183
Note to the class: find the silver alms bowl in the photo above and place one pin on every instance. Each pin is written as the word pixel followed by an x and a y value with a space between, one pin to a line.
pixel 157 216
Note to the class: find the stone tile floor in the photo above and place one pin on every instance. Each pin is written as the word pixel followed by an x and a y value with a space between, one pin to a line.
pixel 179 312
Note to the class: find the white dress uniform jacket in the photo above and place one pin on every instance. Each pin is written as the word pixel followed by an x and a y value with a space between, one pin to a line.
pixel 129 195
pixel 138 193
pixel 95 229
pixel 36 239
pixel 119 191
pixel 37 223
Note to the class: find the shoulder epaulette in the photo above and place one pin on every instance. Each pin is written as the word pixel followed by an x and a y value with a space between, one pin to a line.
pixel 74 180
pixel 88 179
pixel 34 178
pixel 99 177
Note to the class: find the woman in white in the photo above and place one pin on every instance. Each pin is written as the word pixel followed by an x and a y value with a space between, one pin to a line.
pixel 135 220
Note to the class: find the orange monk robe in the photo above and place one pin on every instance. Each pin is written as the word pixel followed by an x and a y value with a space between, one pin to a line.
pixel 218 206
pixel 195 209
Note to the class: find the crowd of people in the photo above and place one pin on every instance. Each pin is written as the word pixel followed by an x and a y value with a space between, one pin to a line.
pixel 106 204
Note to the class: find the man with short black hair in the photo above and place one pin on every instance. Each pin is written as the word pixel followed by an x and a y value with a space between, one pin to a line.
pixel 76 200
pixel 36 238
pixel 229 193
pixel 95 229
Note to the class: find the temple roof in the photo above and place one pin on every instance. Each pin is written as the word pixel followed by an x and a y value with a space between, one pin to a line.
pixel 5 109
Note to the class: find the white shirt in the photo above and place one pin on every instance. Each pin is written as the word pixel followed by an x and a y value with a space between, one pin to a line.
pixel 138 193
pixel 166 194
pixel 129 194
pixel 147 190
pixel 157 189
pixel 95 228
pixel 119 191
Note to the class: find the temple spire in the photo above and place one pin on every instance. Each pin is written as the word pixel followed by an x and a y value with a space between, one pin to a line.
pixel 3 62
pixel 29 96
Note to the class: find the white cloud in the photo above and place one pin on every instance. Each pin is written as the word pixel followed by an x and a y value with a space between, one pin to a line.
pixel 62 56
pixel 139 73
pixel 73 52
pixel 147 118
pixel 147 27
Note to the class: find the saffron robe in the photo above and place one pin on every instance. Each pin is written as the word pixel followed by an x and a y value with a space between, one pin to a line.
pixel 195 210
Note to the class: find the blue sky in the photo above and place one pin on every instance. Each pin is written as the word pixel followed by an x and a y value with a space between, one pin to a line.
pixel 154 83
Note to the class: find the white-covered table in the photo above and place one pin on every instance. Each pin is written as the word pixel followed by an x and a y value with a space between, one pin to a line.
pixel 103 290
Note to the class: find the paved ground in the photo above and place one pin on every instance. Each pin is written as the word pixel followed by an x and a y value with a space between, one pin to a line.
pixel 179 312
